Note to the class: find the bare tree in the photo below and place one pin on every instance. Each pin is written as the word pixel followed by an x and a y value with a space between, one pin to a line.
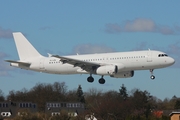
pixel 123 92
pixel 1 96
pixel 80 95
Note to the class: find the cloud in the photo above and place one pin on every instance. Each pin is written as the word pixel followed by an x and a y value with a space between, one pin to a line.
pixel 113 28
pixel 5 33
pixel 141 25
pixel 90 48
pixel 4 67
pixel 174 51
pixel 166 30
pixel 177 28
pixel 141 46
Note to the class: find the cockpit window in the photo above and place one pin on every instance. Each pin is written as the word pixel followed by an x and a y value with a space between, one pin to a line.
pixel 162 55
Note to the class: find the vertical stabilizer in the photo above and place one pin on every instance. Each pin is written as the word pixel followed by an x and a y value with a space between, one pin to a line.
pixel 24 47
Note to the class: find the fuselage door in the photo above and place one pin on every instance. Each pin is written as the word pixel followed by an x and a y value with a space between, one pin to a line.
pixel 149 56
pixel 41 63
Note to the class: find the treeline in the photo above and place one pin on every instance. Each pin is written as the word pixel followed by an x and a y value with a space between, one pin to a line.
pixel 120 104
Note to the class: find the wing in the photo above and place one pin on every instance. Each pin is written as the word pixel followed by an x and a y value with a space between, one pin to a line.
pixel 88 66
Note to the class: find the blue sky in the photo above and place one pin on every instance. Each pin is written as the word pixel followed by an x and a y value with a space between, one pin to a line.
pixel 70 27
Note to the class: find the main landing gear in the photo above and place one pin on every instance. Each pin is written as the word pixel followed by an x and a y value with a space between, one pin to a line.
pixel 152 76
pixel 102 80
pixel 91 79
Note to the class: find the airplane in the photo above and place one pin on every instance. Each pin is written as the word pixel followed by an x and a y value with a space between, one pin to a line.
pixel 116 64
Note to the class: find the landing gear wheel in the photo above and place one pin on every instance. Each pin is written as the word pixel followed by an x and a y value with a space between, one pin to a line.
pixel 152 77
pixel 101 81
pixel 90 79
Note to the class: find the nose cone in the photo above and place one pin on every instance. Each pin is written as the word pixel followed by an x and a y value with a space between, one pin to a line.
pixel 171 61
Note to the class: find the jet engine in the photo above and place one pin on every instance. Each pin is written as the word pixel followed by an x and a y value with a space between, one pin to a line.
pixel 126 74
pixel 107 70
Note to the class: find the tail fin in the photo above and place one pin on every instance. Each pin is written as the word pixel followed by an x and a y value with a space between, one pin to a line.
pixel 24 47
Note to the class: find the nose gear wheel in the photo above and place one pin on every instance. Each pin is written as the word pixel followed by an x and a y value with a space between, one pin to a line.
pixel 152 76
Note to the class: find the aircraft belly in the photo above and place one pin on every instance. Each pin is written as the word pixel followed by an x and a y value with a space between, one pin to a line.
pixel 137 65
pixel 145 65
pixel 61 69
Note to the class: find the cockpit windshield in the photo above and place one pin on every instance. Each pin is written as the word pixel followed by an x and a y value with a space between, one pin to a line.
pixel 162 55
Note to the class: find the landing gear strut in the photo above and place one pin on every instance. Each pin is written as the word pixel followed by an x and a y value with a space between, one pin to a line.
pixel 152 76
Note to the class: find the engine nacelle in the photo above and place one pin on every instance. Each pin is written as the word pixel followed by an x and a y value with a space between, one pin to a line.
pixel 123 74
pixel 107 70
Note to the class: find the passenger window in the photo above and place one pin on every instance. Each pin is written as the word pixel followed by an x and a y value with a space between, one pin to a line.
pixel 26 105
pixel 21 105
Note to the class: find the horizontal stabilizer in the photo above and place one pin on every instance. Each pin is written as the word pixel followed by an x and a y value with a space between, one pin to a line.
pixel 19 62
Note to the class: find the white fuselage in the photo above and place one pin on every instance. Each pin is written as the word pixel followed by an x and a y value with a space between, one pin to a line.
pixel 117 64
pixel 129 61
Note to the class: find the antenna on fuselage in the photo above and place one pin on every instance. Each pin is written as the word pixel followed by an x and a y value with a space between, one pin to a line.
pixel 49 55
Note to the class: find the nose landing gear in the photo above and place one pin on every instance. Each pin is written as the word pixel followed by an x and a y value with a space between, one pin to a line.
pixel 152 76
